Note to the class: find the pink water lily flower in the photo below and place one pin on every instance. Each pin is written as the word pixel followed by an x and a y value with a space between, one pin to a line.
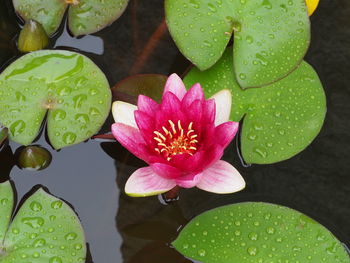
pixel 182 139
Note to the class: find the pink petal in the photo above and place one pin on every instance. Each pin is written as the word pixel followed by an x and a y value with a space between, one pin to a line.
pixel 194 93
pixel 145 182
pixel 147 105
pixel 224 133
pixel 175 85
pixel 123 112
pixel 221 178
pixel 209 111
pixel 189 181
pixel 166 171
pixel 132 140
pixel 223 102
pixel 146 125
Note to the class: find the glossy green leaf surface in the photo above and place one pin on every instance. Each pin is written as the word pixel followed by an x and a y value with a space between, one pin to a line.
pixel 6 207
pixel 270 37
pixel 279 120
pixel 90 16
pixel 258 232
pixel 73 90
pixel 45 230
pixel 84 16
pixel 48 13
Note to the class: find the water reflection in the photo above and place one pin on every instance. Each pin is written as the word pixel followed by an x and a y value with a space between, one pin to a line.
pixel 87 181
pixel 90 43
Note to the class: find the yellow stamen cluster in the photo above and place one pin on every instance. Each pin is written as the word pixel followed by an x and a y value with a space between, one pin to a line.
pixel 175 140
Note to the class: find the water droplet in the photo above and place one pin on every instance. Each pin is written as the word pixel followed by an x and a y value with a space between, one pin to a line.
pixel 39 243
pixel 82 118
pixel 70 236
pixel 69 138
pixel 55 260
pixel 17 127
pixel 252 251
pixel 59 115
pixel 79 100
pixel 33 222
pixel 56 204
pixel 201 252
pixel 35 206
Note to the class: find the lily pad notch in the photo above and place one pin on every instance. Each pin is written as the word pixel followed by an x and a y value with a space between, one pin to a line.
pixel 279 120
pixel 45 229
pixel 270 37
pixel 67 85
pixel 84 16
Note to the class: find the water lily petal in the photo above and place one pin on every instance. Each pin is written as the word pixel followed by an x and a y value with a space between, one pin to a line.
pixel 175 85
pixel 123 112
pixel 170 109
pixel 225 132
pixel 145 182
pixel 221 178
pixel 132 140
pixel 146 125
pixel 147 105
pixel 189 181
pixel 223 101
pixel 166 171
pixel 194 93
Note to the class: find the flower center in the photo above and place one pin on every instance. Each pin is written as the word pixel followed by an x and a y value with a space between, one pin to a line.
pixel 175 140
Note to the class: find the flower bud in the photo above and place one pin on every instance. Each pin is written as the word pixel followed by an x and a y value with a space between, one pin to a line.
pixel 34 158
pixel 32 37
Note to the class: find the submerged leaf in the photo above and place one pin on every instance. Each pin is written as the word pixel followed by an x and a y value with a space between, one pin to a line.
pixel 150 85
pixel 73 90
pixel 270 37
pixel 45 229
pixel 258 232
pixel 279 120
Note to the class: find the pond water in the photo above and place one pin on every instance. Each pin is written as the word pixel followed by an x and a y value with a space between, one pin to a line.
pixel 89 176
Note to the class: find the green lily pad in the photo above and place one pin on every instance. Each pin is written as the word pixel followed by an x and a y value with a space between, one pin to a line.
pixel 258 232
pixel 6 207
pixel 48 13
pixel 93 15
pixel 270 37
pixel 279 120
pixel 84 16
pixel 73 90
pixel 45 229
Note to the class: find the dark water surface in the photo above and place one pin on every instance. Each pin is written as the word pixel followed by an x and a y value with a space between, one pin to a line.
pixel 90 175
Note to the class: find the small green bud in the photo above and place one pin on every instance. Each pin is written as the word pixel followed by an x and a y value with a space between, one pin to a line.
pixel 34 158
pixel 32 37
pixel 3 135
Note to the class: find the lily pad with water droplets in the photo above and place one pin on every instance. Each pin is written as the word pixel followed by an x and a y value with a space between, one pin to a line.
pixel 92 15
pixel 270 36
pixel 67 85
pixel 84 16
pixel 279 120
pixel 48 13
pixel 258 232
pixel 44 230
